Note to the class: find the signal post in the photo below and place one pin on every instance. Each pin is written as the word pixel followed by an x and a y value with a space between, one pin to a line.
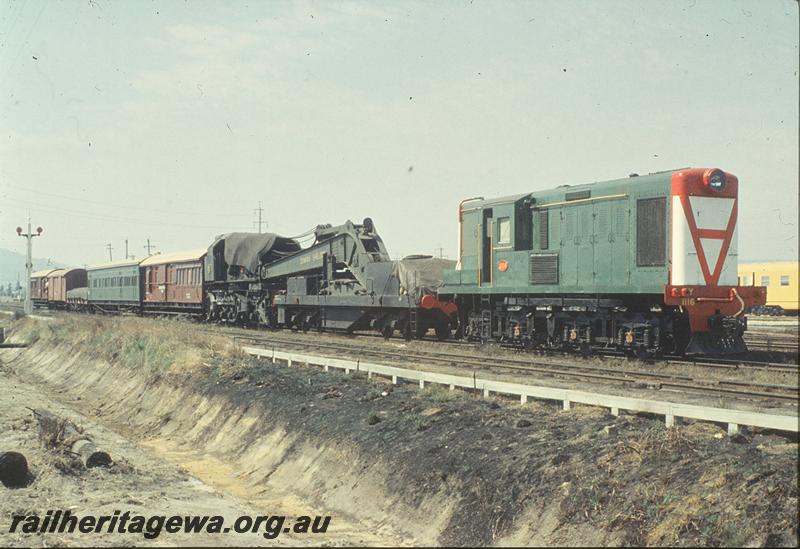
pixel 29 263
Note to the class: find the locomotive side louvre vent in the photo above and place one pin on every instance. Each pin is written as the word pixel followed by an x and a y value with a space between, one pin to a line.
pixel 544 269
pixel 568 222
pixel 651 232
pixel 622 221
pixel 544 229
pixel 585 221
pixel 577 195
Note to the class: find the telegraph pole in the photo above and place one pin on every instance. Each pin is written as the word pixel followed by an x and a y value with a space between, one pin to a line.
pixel 109 251
pixel 126 249
pixel 149 246
pixel 260 210
pixel 29 263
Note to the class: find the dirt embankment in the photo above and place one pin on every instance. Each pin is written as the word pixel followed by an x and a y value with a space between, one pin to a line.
pixel 424 467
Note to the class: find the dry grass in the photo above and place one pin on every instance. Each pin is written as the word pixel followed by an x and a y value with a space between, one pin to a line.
pixel 656 442
pixel 173 346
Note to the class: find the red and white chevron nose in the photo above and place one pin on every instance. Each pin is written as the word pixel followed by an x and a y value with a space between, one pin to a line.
pixel 704 241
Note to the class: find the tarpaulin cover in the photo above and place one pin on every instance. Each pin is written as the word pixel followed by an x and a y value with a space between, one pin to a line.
pixel 78 293
pixel 245 249
pixel 419 275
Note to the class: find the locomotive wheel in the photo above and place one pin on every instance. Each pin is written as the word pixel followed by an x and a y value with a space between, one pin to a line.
pixel 585 349
pixel 442 331
pixel 642 353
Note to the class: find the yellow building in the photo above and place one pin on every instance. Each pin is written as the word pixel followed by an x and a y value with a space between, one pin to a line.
pixel 779 277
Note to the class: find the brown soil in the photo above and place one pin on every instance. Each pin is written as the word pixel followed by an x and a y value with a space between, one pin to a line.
pixel 421 467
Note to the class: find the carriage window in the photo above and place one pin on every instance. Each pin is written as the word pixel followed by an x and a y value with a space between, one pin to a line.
pixel 765 281
pixel 651 232
pixel 504 230
pixel 784 280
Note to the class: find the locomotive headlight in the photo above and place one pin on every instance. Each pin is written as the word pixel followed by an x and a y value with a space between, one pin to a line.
pixel 714 179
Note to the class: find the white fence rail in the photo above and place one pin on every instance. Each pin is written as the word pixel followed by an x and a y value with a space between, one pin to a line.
pixel 670 410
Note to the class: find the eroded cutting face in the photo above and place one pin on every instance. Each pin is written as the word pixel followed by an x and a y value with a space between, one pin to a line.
pixel 704 238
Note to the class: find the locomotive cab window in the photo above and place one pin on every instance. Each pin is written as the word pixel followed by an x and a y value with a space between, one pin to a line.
pixel 503 230
pixel 651 232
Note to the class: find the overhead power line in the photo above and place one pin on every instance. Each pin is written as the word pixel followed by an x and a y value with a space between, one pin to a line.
pixel 102 217
pixel 126 207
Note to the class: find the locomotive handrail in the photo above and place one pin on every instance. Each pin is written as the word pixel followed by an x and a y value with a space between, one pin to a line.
pixel 593 199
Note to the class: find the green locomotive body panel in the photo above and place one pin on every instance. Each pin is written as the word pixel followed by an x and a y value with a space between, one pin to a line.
pixel 115 283
pixel 605 238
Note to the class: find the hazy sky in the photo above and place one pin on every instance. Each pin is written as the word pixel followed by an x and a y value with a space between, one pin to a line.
pixel 114 114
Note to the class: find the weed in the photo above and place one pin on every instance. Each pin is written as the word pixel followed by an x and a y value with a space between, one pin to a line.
pixel 437 394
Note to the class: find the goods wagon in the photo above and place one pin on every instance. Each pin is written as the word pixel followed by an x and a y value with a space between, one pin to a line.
pixel 173 282
pixel 38 287
pixel 780 278
pixel 645 264
pixel 114 286
pixel 61 281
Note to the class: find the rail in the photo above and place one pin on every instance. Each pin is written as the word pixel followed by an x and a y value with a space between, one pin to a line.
pixel 670 410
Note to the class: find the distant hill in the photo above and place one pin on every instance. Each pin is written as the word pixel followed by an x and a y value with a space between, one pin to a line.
pixel 12 265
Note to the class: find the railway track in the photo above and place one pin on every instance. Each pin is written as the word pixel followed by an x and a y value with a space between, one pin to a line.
pixel 709 362
pixel 625 375
pixel 633 378
pixel 785 342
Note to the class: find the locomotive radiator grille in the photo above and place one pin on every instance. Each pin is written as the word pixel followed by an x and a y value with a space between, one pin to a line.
pixel 544 269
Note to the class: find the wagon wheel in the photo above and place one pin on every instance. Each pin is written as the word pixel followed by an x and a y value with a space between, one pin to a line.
pixel 585 349
pixel 387 331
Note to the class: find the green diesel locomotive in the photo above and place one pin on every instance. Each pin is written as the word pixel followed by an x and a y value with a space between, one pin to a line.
pixel 645 264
